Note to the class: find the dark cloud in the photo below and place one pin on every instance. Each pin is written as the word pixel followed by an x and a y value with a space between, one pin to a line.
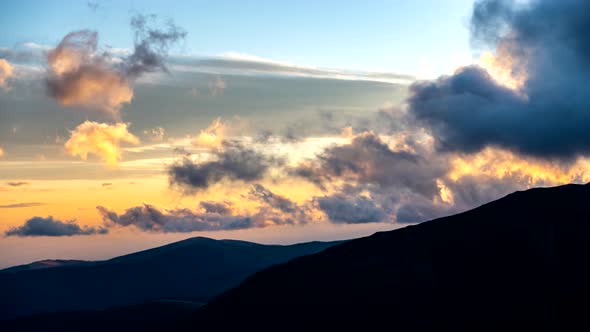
pixel 233 162
pixel 368 160
pixel 279 202
pixel 17 183
pixel 151 45
pixel 351 210
pixel 39 226
pixel 544 44
pixel 221 208
pixel 21 205
pixel 152 219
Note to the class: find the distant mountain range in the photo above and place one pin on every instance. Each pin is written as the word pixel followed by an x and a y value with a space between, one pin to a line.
pixel 519 263
pixel 193 270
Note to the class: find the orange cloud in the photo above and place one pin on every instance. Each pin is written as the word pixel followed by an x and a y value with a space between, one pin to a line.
pixel 6 71
pixel 79 76
pixel 504 67
pixel 100 139
pixel 499 163
pixel 212 136
pixel 1 152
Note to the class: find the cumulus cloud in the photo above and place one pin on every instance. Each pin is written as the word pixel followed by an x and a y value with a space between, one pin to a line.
pixel 369 160
pixel 532 99
pixel 81 75
pixel 233 161
pixel 100 139
pixel 39 226
pixel 6 72
pixel 211 137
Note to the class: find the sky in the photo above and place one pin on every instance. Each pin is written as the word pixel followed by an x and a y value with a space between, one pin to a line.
pixel 126 125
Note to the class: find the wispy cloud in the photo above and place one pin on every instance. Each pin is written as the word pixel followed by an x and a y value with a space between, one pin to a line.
pixel 21 205
pixel 17 183
pixel 233 63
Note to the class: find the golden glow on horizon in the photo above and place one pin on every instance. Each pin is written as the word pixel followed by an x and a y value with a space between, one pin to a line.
pixel 140 181
pixel 498 163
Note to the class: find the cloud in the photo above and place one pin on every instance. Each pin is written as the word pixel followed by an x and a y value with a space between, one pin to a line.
pixel 351 210
pixel 17 183
pixel 532 96
pixel 222 208
pixel 151 45
pixel 233 63
pixel 368 160
pixel 152 219
pixel 216 87
pixel 155 134
pixel 100 139
pixel 212 137
pixel 1 152
pixel 279 202
pixel 233 162
pixel 21 205
pixel 82 75
pixel 39 226
pixel 6 72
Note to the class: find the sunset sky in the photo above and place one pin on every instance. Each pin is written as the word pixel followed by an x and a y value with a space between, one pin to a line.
pixel 129 124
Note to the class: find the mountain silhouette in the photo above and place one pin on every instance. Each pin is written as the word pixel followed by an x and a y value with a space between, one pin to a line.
pixel 194 270
pixel 518 263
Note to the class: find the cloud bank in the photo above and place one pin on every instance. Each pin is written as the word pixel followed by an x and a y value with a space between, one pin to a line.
pixel 39 226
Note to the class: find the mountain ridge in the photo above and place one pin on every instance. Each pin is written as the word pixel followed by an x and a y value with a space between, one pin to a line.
pixel 194 269
pixel 514 262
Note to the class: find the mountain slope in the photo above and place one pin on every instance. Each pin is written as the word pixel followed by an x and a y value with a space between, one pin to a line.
pixel 196 269
pixel 519 262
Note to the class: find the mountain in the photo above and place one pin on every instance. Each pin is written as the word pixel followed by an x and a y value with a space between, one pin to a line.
pixel 194 270
pixel 44 264
pixel 518 263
